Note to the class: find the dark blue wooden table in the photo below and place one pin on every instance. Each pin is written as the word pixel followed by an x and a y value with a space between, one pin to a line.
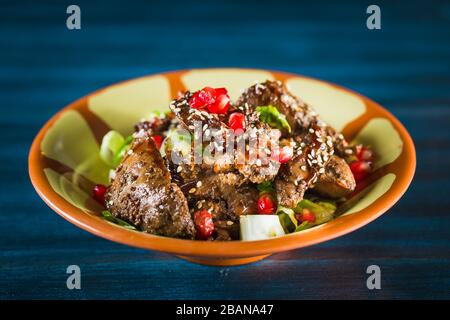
pixel 405 66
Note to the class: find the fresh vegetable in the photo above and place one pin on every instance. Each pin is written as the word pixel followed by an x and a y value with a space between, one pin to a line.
pixel 111 144
pixel 287 219
pixel 303 226
pixel 266 186
pixel 266 204
pixel 121 152
pixel 271 116
pixel 98 192
pixel 214 100
pixel 177 141
pixel 108 216
pixel 315 213
pixel 360 169
pixel 259 227
pixel 204 223
pixel 236 121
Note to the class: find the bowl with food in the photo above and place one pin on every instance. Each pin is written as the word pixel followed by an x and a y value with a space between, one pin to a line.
pixel 222 166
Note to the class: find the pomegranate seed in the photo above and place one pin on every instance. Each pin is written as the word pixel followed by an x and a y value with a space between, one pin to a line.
pixel 266 204
pixel 204 223
pixel 363 153
pixel 99 192
pixel 220 106
pixel 195 102
pixel 236 121
pixel 207 95
pixel 221 91
pixel 306 215
pixel 360 169
pixel 158 141
pixel 286 154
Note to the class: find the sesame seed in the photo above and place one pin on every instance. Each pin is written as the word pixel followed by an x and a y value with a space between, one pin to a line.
pixel 230 223
pixel 199 184
pixel 303 168
pixel 321 170
pixel 179 168
pixel 192 190
pixel 258 162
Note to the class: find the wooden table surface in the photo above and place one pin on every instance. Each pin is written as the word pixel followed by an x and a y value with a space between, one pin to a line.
pixel 405 66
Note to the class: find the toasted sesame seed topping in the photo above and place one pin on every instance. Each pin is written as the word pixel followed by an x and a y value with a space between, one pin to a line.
pixel 192 190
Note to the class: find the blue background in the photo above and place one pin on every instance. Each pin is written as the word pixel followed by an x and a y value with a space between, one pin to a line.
pixel 405 67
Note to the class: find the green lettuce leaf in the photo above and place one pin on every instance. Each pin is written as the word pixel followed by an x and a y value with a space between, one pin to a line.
pixel 108 216
pixel 273 117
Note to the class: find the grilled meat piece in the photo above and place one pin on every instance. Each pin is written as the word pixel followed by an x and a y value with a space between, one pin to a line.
pixel 240 198
pixel 156 125
pixel 189 116
pixel 275 93
pixel 298 114
pixel 293 180
pixel 142 193
pixel 312 153
pixel 337 181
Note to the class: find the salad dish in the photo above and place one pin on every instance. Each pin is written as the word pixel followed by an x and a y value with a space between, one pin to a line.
pixel 222 166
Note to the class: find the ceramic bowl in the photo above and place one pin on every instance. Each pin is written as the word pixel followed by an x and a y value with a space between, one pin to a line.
pixel 64 163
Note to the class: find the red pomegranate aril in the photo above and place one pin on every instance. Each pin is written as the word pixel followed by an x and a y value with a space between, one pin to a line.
pixel 236 121
pixel 220 106
pixel 306 215
pixel 158 140
pixel 221 91
pixel 360 169
pixel 204 224
pixel 99 192
pixel 286 154
pixel 266 204
pixel 363 153
pixel 195 102
pixel 207 95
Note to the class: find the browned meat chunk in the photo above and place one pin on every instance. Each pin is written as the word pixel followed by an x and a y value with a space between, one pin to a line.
pixel 240 199
pixel 275 93
pixel 189 116
pixel 142 193
pixel 312 153
pixel 156 125
pixel 337 181
pixel 292 181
